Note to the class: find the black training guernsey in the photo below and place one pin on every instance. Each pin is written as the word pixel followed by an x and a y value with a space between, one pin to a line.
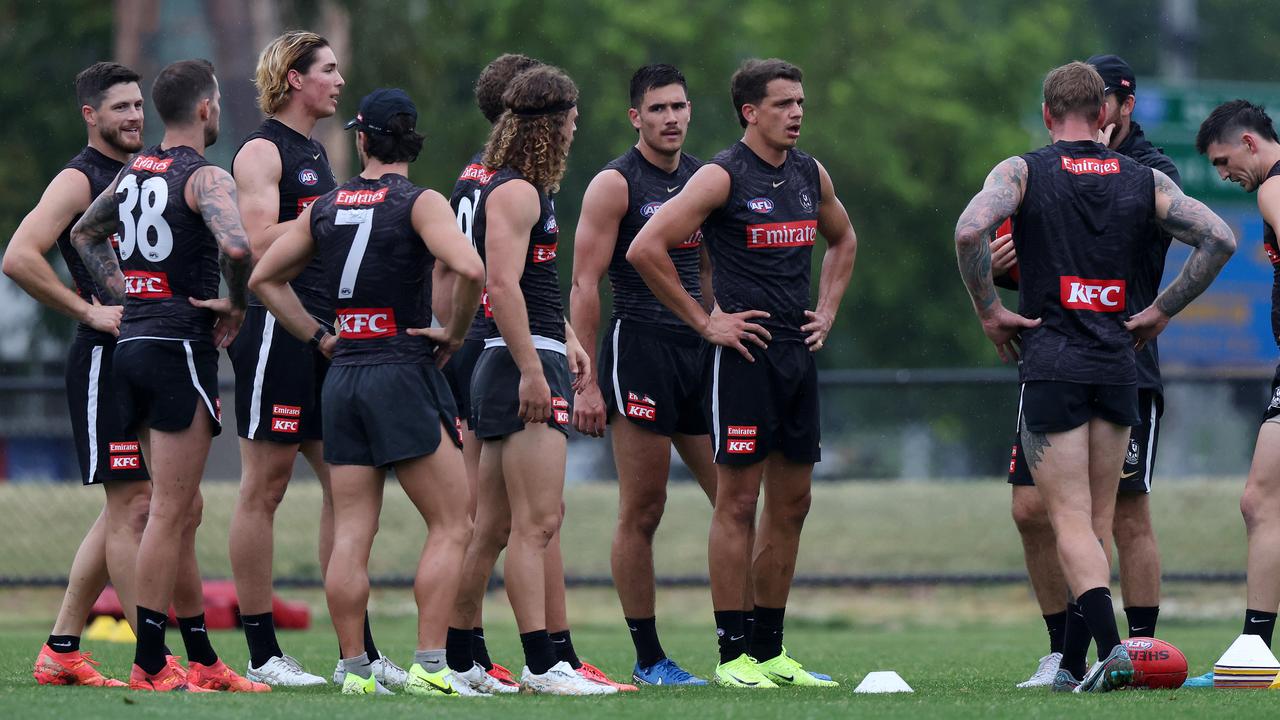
pixel 761 240
pixel 648 187
pixel 304 176
pixel 377 270
pixel 1272 248
pixel 1145 283
pixel 100 170
pixel 1084 218
pixel 540 281
pixel 167 252
pixel 465 201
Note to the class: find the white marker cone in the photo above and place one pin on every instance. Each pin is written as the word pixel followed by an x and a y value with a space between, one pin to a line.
pixel 883 681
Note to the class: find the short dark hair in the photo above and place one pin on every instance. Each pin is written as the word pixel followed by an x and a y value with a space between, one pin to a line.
pixel 179 87
pixel 93 82
pixel 495 78
pixel 1235 115
pixel 401 144
pixel 751 82
pixel 1074 89
pixel 654 76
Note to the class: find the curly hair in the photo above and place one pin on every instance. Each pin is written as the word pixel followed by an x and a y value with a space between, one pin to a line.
pixel 528 137
pixel 294 50
pixel 495 78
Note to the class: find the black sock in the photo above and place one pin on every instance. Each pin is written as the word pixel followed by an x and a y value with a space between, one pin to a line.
pixel 479 650
pixel 149 654
pixel 196 637
pixel 1100 615
pixel 260 633
pixel 369 648
pixel 457 650
pixel 732 635
pixel 766 639
pixel 564 649
pixel 539 652
pixel 1075 642
pixel 749 624
pixel 63 643
pixel 1142 620
pixel 1056 624
pixel 1262 624
pixel 644 635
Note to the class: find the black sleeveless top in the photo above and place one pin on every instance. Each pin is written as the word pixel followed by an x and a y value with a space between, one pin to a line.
pixel 100 170
pixel 465 202
pixel 1085 219
pixel 377 270
pixel 648 187
pixel 540 281
pixel 167 252
pixel 304 176
pixel 761 240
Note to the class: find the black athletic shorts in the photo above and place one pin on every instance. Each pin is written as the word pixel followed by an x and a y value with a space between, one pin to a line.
pixel 458 371
pixel 377 415
pixel 495 389
pixel 1139 459
pixel 770 404
pixel 1273 410
pixel 654 377
pixel 107 452
pixel 1053 407
pixel 278 381
pixel 162 382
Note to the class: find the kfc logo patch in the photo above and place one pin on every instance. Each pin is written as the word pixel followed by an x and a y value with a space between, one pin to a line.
pixel 1090 166
pixel 284 425
pixel 543 253
pixel 365 323
pixel 149 285
pixel 740 447
pixel 1013 459
pixel 1096 295
pixel 308 177
pixel 484 303
pixel 762 205
pixel 360 197
pixel 642 412
pixel 767 236
pixel 124 455
pixel 304 203
pixel 148 163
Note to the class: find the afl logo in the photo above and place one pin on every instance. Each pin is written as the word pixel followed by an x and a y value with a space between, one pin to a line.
pixel 650 209
pixel 761 205
pixel 806 202
pixel 307 176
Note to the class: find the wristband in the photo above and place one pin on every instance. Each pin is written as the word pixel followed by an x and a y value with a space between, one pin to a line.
pixel 315 339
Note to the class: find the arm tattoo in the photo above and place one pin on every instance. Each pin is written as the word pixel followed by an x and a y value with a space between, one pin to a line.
pixel 1033 445
pixel 215 194
pixel 1188 220
pixel 91 238
pixel 998 200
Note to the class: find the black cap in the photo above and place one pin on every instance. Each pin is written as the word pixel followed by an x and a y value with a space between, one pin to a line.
pixel 1116 74
pixel 378 107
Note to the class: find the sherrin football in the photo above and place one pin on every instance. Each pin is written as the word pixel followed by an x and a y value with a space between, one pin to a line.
pixel 1156 663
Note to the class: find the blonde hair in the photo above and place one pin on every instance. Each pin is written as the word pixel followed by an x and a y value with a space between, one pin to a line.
pixel 294 50
pixel 528 137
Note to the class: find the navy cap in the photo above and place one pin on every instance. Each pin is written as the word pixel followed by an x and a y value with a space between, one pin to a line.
pixel 378 107
pixel 1116 74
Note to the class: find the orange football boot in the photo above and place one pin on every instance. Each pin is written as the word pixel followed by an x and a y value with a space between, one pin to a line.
pixel 220 677
pixel 503 675
pixel 168 679
pixel 70 668
pixel 592 673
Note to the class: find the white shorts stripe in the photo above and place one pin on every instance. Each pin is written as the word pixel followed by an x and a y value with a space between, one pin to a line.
pixel 259 371
pixel 715 403
pixel 1022 390
pixel 617 387
pixel 195 380
pixel 1151 443
pixel 91 410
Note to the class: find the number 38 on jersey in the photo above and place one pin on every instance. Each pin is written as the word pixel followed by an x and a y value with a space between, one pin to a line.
pixel 142 218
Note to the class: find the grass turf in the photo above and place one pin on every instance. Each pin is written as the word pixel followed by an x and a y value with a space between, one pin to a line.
pixel 959 671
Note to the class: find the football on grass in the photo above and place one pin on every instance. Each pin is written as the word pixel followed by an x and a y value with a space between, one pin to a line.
pixel 1156 663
